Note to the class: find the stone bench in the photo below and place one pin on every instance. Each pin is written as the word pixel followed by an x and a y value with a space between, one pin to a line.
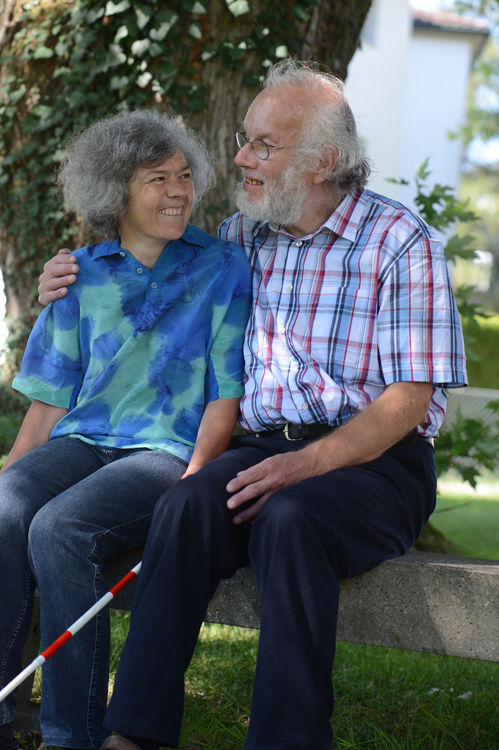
pixel 421 601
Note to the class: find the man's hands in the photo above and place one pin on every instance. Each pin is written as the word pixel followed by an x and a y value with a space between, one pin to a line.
pixel 58 273
pixel 400 408
pixel 265 478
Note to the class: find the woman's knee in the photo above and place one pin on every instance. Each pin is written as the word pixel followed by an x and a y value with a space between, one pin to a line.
pixel 54 540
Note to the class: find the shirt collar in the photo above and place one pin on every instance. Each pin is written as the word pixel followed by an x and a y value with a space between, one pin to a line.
pixel 192 235
pixel 344 221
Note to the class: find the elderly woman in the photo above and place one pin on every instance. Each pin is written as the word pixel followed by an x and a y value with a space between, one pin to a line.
pixel 135 378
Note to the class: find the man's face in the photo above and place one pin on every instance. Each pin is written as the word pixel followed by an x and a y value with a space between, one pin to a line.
pixel 273 189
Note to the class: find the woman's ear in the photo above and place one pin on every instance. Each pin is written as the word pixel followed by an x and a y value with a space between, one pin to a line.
pixel 327 163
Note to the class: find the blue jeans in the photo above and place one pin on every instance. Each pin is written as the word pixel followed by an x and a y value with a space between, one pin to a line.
pixel 64 508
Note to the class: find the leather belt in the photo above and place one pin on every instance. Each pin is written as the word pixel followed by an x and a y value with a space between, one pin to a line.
pixel 294 432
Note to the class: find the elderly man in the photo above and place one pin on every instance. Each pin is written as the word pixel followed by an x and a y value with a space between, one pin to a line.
pixel 353 335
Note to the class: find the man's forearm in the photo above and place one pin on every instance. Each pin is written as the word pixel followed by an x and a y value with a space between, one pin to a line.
pixel 35 429
pixel 215 431
pixel 379 426
pixel 374 430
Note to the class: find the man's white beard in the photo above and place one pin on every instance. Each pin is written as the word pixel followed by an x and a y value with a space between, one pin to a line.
pixel 282 200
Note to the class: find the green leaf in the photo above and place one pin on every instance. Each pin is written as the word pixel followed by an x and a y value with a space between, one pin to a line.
pixel 422 171
pixel 144 79
pixel 15 96
pixel 41 110
pixel 121 34
pixel 143 18
pixel 238 7
pixel 94 15
pixel 61 48
pixel 78 98
pixel 41 35
pixel 168 69
pixel 460 247
pixel 301 13
pixel 62 71
pixel 140 46
pixel 207 53
pixel 116 56
pixel 155 49
pixel 195 30
pixel 159 34
pixel 113 8
pixel 194 6
pixel 118 82
pixel 43 53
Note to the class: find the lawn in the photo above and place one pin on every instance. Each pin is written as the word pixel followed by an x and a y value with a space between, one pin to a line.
pixel 472 523
pixel 484 373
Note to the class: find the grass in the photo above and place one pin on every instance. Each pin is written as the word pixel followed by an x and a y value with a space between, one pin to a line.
pixel 471 523
pixel 385 699
pixel 485 372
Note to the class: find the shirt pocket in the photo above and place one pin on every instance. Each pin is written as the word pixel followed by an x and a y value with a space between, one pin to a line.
pixel 346 316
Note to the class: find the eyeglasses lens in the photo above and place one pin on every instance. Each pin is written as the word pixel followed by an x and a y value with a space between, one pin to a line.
pixel 261 149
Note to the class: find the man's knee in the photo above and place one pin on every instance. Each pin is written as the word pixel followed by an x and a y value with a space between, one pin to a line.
pixel 194 499
pixel 285 516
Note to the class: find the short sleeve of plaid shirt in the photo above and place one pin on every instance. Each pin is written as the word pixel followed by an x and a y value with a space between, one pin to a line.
pixel 339 315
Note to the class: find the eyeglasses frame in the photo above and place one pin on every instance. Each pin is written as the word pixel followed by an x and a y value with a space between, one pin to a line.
pixel 247 140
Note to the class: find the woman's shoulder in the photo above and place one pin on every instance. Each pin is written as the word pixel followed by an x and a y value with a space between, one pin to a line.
pixel 96 250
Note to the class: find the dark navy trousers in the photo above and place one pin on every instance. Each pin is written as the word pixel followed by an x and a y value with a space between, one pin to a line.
pixel 306 538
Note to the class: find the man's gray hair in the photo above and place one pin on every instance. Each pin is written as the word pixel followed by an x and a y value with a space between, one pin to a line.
pixel 331 122
pixel 101 161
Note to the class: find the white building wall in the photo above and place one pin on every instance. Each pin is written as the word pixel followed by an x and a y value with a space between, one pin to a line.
pixel 376 82
pixel 407 89
pixel 438 69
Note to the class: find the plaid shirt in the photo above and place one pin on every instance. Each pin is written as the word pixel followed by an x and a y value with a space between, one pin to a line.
pixel 338 315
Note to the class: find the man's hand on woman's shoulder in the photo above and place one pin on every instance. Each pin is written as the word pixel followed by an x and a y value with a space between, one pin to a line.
pixel 58 273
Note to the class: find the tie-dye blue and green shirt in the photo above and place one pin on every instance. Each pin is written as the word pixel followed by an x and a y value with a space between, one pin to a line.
pixel 135 354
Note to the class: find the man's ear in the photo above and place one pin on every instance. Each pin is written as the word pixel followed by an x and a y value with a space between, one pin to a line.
pixel 327 163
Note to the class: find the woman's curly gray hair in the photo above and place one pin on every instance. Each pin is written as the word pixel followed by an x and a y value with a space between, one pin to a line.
pixel 331 122
pixel 101 161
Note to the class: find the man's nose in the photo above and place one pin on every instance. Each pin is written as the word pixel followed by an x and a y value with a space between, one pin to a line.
pixel 246 157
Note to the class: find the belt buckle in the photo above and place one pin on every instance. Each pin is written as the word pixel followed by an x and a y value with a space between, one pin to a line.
pixel 286 434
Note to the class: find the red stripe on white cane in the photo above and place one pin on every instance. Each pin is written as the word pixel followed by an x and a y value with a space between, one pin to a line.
pixel 69 633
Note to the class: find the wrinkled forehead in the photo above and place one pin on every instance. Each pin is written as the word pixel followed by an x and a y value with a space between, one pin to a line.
pixel 277 114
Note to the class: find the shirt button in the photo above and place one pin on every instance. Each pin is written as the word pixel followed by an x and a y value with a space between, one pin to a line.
pixel 299 243
pixel 139 270
pixel 289 287
pixel 303 406
pixel 154 285
pixel 122 254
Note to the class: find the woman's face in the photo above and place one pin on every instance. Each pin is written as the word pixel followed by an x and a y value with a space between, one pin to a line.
pixel 161 199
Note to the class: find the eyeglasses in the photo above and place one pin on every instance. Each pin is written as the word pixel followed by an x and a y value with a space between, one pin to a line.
pixel 260 148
